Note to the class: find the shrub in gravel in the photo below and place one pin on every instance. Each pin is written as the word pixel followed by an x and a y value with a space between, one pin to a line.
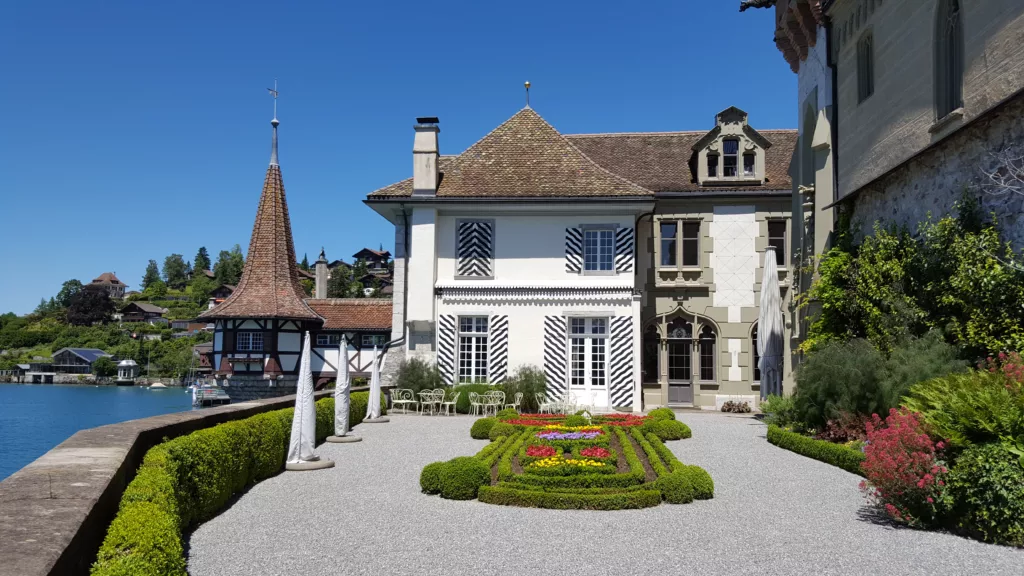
pixel 507 414
pixel 666 429
pixel 703 485
pixel 462 477
pixel 676 487
pixel 837 455
pixel 501 429
pixel 481 429
pixel 985 490
pixel 430 478
pixel 662 414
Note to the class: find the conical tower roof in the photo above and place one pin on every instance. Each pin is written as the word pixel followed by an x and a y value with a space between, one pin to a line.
pixel 270 286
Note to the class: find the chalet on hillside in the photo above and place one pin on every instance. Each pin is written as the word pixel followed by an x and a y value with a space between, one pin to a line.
pixel 109 283
pixel 376 260
pixel 143 312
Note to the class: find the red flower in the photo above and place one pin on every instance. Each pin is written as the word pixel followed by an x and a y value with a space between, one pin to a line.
pixel 595 452
pixel 540 451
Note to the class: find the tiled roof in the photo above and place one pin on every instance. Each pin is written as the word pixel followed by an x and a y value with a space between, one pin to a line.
pixel 107 278
pixel 147 307
pixel 353 313
pixel 378 253
pixel 270 286
pixel 666 162
pixel 523 158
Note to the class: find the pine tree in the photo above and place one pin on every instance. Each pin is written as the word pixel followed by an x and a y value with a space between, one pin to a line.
pixel 202 261
pixel 152 274
pixel 174 271
pixel 305 263
pixel 338 283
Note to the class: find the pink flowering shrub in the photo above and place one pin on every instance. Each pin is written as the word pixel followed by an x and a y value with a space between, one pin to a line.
pixel 903 467
pixel 1009 365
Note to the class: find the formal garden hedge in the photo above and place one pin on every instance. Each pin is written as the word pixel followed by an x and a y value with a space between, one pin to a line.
pixel 189 479
pixel 848 459
pixel 579 461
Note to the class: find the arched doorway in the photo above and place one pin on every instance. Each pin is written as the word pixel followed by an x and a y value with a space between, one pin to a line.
pixel 680 361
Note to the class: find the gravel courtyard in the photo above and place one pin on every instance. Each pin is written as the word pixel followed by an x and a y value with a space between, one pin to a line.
pixel 774 512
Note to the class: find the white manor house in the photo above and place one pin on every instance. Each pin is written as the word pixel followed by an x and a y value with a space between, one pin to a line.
pixel 626 266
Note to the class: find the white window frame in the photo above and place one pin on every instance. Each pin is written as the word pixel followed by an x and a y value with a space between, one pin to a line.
pixel 253 341
pixel 601 234
pixel 328 339
pixel 588 353
pixel 473 350
pixel 371 340
pixel 736 155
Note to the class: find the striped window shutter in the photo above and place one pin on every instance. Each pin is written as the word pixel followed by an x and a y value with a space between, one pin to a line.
pixel 624 250
pixel 555 362
pixel 446 348
pixel 573 250
pixel 620 361
pixel 475 249
pixel 497 346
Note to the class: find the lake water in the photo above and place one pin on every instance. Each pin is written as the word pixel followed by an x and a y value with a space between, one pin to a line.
pixel 35 418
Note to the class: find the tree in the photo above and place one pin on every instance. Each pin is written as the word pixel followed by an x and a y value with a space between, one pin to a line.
pixel 305 263
pixel 356 290
pixel 202 261
pixel 174 271
pixel 104 367
pixel 155 290
pixel 90 306
pixel 188 270
pixel 338 283
pixel 152 274
pixel 67 290
pixel 201 288
pixel 375 287
pixel 229 266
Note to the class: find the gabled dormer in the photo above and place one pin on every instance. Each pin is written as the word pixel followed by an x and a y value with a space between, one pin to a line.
pixel 732 153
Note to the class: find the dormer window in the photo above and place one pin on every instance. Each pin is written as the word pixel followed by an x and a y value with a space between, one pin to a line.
pixel 712 165
pixel 748 164
pixel 730 152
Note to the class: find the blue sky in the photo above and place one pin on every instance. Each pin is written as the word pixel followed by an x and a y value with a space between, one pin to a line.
pixel 133 130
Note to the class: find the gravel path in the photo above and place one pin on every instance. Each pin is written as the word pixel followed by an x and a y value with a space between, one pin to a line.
pixel 774 512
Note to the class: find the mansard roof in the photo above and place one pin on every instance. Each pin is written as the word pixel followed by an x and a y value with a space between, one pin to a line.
pixel 525 157
pixel 667 161
pixel 270 286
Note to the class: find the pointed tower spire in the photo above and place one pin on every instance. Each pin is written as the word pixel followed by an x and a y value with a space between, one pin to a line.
pixel 270 286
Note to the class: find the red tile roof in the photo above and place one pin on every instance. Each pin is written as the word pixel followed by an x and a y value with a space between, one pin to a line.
pixel 522 158
pixel 353 313
pixel 270 286
pixel 107 278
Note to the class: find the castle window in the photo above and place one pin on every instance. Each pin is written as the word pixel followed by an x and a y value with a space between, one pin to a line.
pixel 712 165
pixel 949 58
pixel 598 250
pixel 472 349
pixel 777 238
pixel 691 244
pixel 748 164
pixel 668 243
pixel 730 152
pixel 865 67
pixel 707 353
pixel 328 339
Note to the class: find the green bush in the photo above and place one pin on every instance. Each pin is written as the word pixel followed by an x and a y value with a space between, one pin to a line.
pixel 507 414
pixel 574 420
pixel 662 414
pixel 418 375
pixel 189 479
pixel 972 408
pixel 430 477
pixel 666 429
pixel 143 539
pixel 568 500
pixel 985 491
pixel 853 377
pixel 780 410
pixel 530 381
pixel 835 454
pixel 676 488
pixel 462 477
pixel 703 485
pixel 481 429
pixel 500 429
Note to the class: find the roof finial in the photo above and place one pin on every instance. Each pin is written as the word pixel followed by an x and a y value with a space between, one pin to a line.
pixel 527 84
pixel 274 123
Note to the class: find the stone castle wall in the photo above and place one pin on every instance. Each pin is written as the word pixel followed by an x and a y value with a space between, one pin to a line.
pixel 934 181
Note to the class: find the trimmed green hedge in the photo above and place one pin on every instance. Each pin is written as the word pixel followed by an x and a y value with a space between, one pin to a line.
pixel 187 480
pixel 703 485
pixel 676 488
pixel 501 429
pixel 430 478
pixel 569 501
pixel 461 478
pixel 835 454
pixel 662 414
pixel 481 429
pixel 667 429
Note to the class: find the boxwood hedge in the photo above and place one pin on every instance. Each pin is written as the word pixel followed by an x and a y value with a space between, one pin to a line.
pixel 187 480
pixel 569 500
pixel 835 454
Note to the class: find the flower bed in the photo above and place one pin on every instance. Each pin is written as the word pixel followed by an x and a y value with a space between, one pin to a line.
pixel 607 464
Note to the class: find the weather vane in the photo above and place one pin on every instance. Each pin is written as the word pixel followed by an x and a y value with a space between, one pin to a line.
pixel 273 92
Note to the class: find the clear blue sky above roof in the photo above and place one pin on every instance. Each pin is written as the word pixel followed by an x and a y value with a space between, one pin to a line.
pixel 135 130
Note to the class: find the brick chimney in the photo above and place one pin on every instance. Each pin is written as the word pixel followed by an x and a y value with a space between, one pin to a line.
pixel 320 290
pixel 424 157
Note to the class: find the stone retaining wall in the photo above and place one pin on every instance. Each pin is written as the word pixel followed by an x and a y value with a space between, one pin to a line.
pixel 54 513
